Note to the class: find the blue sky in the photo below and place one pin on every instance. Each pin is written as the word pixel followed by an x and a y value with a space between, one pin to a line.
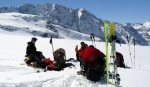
pixel 122 11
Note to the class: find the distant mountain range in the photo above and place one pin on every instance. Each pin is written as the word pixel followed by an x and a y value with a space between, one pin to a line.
pixel 61 22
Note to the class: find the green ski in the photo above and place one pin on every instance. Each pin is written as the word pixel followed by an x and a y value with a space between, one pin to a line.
pixel 106 44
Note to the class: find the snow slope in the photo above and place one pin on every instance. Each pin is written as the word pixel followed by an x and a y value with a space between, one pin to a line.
pixel 35 25
pixel 16 19
pixel 12 74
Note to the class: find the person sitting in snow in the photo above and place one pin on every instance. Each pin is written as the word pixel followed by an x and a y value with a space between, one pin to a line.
pixel 78 51
pixel 36 59
pixel 92 63
pixel 32 55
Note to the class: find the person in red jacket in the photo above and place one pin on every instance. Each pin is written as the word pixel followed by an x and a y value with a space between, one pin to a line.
pixel 92 57
pixel 78 51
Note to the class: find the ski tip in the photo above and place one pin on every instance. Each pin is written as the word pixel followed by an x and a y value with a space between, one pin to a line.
pixel 112 26
pixel 104 21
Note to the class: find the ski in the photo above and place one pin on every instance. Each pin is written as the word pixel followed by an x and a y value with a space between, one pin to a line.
pixel 113 39
pixel 106 44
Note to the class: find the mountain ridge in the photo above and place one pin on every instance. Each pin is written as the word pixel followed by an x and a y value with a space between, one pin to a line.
pixel 79 20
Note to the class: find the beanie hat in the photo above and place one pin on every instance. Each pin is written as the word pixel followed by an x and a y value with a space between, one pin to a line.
pixel 34 39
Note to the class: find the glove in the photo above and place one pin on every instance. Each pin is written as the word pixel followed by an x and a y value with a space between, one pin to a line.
pixel 77 46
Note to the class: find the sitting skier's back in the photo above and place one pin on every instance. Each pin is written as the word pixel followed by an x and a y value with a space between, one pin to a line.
pixel 92 63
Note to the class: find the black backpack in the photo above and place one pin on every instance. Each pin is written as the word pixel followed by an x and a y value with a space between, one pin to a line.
pixel 61 60
pixel 60 57
pixel 94 73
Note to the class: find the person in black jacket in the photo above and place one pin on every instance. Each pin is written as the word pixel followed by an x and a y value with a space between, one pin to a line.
pixel 33 54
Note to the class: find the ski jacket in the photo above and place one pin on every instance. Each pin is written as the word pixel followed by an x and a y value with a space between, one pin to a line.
pixel 92 56
pixel 31 49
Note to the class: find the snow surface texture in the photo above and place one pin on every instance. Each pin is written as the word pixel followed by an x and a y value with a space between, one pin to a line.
pixel 44 16
pixel 12 74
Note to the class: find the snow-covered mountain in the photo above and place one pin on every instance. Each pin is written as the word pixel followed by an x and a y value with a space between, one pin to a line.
pixel 62 22
pixel 143 30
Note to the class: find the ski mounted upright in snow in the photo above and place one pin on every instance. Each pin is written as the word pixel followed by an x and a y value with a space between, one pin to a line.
pixel 106 44
pixel 113 40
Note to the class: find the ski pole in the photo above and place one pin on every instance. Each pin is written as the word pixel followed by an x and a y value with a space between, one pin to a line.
pixel 51 42
pixel 134 52
pixel 129 50
pixel 91 36
pixel 93 39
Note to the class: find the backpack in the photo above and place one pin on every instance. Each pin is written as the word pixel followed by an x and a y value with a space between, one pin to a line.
pixel 61 60
pixel 120 59
pixel 94 73
pixel 60 57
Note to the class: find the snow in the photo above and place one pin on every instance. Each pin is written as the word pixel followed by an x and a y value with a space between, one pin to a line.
pixel 80 12
pixel 15 19
pixel 137 26
pixel 12 74
pixel 13 48
pixel 147 24
pixel 26 23
pixel 70 34
pixel 53 7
